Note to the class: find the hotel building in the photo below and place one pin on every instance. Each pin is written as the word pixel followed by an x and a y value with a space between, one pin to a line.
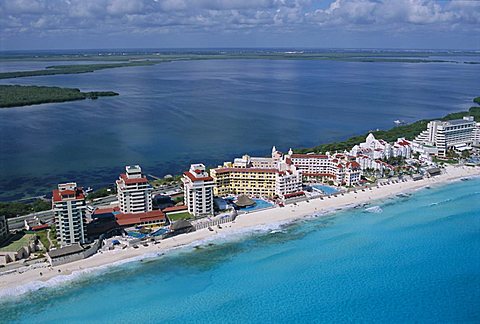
pixel 338 168
pixel 458 134
pixel 476 135
pixel 68 203
pixel 198 190
pixel 134 193
pixel 257 176
pixel 380 149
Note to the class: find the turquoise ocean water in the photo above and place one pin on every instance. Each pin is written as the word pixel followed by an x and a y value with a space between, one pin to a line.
pixel 418 259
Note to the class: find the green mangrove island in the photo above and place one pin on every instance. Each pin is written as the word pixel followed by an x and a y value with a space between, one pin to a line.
pixel 71 69
pixel 17 95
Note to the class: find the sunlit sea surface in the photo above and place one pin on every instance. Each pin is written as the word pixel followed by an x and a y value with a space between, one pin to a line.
pixel 414 259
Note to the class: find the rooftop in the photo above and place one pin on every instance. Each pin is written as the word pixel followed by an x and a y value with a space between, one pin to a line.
pixel 67 191
pixel 245 170
pixel 128 180
pixel 137 218
pixel 174 208
pixel 197 177
pixel 66 250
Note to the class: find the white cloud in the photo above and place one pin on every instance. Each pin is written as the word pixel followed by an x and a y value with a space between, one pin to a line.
pixel 153 16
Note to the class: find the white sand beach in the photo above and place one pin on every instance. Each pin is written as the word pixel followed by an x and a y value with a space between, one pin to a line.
pixel 15 283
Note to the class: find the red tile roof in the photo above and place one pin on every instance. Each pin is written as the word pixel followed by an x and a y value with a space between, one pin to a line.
pixel 125 179
pixel 138 218
pixel 294 194
pixel 174 208
pixel 39 227
pixel 193 178
pixel 58 195
pixel 353 164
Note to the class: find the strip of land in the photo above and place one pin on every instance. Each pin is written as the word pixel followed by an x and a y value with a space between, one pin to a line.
pixel 17 95
pixel 145 59
pixel 32 279
pixel 71 69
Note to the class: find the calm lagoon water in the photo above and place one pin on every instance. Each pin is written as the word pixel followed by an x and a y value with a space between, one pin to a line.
pixel 172 114
pixel 416 261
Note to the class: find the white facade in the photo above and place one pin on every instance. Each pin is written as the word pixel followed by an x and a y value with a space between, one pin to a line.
pixel 68 203
pixel 380 149
pixel 476 134
pixel 134 193
pixel 456 134
pixel 339 168
pixel 198 191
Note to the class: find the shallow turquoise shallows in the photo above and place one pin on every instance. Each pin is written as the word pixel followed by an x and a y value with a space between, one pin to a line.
pixel 415 259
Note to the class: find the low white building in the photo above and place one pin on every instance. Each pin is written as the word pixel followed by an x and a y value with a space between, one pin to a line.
pixel 198 190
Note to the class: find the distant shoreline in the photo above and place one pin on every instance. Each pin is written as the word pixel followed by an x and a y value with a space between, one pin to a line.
pixel 109 60
pixel 32 280
pixel 18 95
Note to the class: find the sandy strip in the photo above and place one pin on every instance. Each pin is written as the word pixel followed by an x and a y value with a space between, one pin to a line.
pixel 16 283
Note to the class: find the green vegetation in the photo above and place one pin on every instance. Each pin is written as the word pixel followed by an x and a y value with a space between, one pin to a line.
pixel 476 100
pixel 16 95
pixel 19 240
pixel 43 237
pixel 53 236
pixel 71 69
pixel 175 217
pixel 409 131
pixel 103 192
pixel 13 209
pixel 166 181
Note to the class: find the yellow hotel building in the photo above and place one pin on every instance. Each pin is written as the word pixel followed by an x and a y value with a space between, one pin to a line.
pixel 249 181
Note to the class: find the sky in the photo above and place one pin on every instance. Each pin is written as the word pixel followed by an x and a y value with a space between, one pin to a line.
pixel 101 24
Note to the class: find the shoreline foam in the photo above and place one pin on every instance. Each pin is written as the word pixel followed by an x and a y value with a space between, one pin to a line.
pixel 260 221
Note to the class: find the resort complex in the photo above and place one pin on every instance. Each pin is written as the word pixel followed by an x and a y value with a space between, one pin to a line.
pixel 274 176
pixel 443 136
pixel 137 210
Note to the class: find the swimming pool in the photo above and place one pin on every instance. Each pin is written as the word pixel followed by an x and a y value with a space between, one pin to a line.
pixel 327 190
pixel 136 234
pixel 259 204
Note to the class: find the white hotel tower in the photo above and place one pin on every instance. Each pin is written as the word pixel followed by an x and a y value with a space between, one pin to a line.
pixel 198 187
pixel 68 203
pixel 134 193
